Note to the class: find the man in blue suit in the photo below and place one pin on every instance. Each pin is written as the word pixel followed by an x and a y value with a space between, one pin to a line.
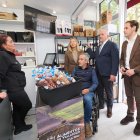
pixel 107 62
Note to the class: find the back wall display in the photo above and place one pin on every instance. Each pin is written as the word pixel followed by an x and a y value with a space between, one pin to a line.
pixel 37 20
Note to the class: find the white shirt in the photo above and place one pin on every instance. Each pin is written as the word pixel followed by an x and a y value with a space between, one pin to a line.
pixel 101 47
pixel 128 51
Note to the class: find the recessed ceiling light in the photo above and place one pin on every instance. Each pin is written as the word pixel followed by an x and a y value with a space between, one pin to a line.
pixel 94 1
pixel 4 4
pixel 54 12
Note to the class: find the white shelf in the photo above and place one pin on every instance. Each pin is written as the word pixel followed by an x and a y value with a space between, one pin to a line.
pixel 4 21
pixel 25 56
pixel 24 43
pixel 25 67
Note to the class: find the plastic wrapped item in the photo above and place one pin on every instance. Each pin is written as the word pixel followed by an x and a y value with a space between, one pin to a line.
pixel 51 77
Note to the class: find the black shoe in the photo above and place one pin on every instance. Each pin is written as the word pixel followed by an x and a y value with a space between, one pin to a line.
pixel 27 127
pixel 23 128
pixel 101 107
pixel 127 120
pixel 17 131
pixel 109 112
pixel 137 129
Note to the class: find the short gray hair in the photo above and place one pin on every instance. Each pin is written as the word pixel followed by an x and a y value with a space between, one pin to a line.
pixel 86 56
pixel 104 30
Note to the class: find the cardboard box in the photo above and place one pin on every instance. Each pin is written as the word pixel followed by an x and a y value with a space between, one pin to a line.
pixel 62 122
pixel 30 54
pixel 81 33
pixel 58 27
pixel 98 24
pixel 66 27
pixel 63 27
pixel 94 33
pixel 8 16
pixel 88 32
pixel 30 62
pixel 106 17
pixel 77 28
pixel 81 28
pixel 76 34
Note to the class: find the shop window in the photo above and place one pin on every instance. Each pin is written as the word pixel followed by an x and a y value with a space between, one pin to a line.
pixel 133 13
pixel 89 23
pixel 103 6
pixel 114 7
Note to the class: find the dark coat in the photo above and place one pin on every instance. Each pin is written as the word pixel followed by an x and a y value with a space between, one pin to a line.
pixel 107 61
pixel 11 77
pixel 69 61
pixel 87 76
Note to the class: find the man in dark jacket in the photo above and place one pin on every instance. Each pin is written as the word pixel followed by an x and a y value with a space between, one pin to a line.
pixel 107 62
pixel 13 80
pixel 89 84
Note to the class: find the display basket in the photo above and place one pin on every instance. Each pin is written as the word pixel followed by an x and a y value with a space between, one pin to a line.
pixel 55 96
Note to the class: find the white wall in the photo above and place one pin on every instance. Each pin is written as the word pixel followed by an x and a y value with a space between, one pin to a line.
pixel 44 44
pixel 88 13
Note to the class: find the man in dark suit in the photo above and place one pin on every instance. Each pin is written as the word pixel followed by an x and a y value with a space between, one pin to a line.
pixel 130 69
pixel 107 62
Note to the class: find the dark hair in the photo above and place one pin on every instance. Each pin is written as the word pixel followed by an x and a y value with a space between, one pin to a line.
pixel 3 39
pixel 133 23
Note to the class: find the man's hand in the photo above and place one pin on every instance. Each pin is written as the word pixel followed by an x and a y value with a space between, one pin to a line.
pixel 122 70
pixel 85 91
pixel 112 78
pixel 3 95
pixel 130 72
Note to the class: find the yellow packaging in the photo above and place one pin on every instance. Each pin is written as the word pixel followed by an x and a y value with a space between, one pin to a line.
pixel 106 17
pixel 8 16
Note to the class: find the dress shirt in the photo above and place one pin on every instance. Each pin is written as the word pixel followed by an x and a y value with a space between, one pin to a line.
pixel 128 50
pixel 101 47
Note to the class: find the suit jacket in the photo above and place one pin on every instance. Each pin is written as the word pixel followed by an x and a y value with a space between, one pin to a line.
pixel 69 61
pixel 134 61
pixel 107 61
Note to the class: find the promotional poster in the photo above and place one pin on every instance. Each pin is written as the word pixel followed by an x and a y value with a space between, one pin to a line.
pixel 62 122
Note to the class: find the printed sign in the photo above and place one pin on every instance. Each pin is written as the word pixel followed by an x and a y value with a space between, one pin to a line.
pixel 62 122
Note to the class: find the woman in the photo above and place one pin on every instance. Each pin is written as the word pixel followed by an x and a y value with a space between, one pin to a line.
pixel 71 55
pixel 3 95
pixel 13 80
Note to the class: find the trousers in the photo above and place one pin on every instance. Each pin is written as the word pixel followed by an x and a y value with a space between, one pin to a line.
pixel 88 103
pixel 21 105
pixel 132 92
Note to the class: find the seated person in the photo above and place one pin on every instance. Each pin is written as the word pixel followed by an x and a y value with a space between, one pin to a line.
pixel 89 83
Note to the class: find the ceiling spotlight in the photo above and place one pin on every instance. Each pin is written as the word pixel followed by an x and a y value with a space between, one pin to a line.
pixel 94 1
pixel 54 12
pixel 4 4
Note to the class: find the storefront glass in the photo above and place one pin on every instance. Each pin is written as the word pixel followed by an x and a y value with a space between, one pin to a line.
pixel 133 13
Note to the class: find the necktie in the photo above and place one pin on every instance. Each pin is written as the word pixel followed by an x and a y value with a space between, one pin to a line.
pixel 100 49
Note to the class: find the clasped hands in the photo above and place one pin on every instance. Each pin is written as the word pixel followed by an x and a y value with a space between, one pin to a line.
pixel 128 72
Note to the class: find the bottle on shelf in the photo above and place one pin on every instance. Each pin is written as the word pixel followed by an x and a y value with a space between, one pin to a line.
pixel 80 45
